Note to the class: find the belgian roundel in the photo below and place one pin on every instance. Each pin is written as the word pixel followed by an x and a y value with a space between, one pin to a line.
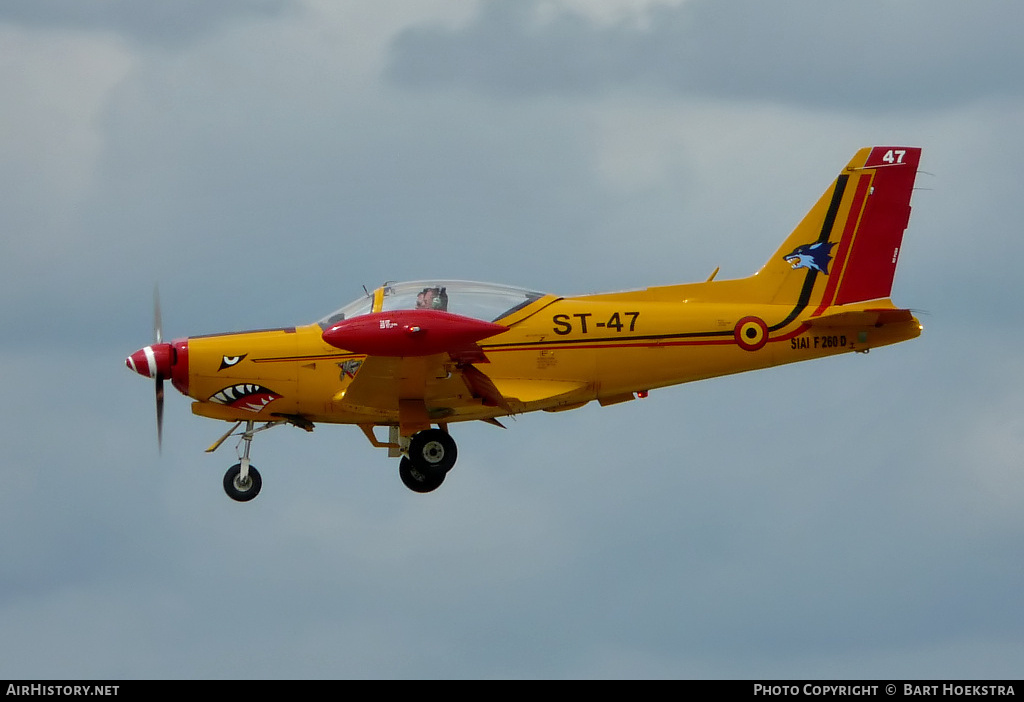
pixel 751 333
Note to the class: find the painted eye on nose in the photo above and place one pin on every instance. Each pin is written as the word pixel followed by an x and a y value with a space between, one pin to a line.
pixel 228 361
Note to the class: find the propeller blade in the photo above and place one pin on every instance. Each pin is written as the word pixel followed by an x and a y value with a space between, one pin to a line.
pixel 158 325
pixel 160 412
pixel 158 335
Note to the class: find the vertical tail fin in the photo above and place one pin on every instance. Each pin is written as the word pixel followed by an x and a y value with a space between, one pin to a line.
pixel 846 248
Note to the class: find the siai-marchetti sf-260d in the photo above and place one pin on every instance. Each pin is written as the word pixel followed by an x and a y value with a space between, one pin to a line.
pixel 410 359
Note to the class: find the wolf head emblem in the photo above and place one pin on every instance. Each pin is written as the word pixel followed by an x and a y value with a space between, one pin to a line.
pixel 813 256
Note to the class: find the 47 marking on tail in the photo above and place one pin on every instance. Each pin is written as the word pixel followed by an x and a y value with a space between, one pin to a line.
pixel 894 156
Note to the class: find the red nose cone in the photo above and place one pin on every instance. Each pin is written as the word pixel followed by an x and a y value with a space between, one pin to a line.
pixel 409 333
pixel 152 360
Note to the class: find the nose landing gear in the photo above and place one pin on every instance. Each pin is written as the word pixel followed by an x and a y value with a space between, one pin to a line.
pixel 242 482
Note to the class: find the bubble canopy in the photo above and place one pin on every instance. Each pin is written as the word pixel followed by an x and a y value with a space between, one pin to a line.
pixel 485 301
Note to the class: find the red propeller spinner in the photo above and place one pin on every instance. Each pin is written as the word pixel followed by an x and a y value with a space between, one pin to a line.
pixel 152 361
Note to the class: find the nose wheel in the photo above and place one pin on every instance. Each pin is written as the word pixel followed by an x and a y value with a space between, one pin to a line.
pixel 242 488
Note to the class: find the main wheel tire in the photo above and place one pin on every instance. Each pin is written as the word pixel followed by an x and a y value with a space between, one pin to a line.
pixel 236 489
pixel 433 451
pixel 416 480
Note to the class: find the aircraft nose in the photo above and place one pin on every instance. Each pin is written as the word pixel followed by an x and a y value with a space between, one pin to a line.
pixel 151 361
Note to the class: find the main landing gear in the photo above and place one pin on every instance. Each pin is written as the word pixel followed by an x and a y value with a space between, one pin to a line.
pixel 426 458
pixel 429 457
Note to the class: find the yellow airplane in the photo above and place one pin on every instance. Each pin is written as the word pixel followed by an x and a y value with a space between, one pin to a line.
pixel 413 358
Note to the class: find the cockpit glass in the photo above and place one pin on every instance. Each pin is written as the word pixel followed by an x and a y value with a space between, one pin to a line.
pixel 355 308
pixel 485 301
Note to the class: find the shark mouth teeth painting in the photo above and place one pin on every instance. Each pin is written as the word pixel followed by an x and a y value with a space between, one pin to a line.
pixel 247 396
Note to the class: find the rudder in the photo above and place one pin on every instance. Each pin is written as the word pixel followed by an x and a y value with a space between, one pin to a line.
pixel 874 245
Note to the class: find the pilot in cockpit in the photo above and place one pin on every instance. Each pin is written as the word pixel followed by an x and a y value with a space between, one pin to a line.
pixel 432 299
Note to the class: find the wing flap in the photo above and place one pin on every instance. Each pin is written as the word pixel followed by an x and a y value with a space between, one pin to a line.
pixel 529 390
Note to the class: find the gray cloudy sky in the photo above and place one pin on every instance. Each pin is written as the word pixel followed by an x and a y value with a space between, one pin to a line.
pixel 264 159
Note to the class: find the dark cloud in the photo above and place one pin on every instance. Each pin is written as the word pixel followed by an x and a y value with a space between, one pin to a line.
pixel 871 57
pixel 148 22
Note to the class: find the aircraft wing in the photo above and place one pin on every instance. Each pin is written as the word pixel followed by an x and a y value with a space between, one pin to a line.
pixel 411 386
pixel 428 388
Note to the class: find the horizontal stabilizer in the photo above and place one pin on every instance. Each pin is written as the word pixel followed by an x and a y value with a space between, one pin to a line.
pixel 863 318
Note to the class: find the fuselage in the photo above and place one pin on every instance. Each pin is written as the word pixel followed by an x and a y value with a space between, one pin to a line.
pixel 558 353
